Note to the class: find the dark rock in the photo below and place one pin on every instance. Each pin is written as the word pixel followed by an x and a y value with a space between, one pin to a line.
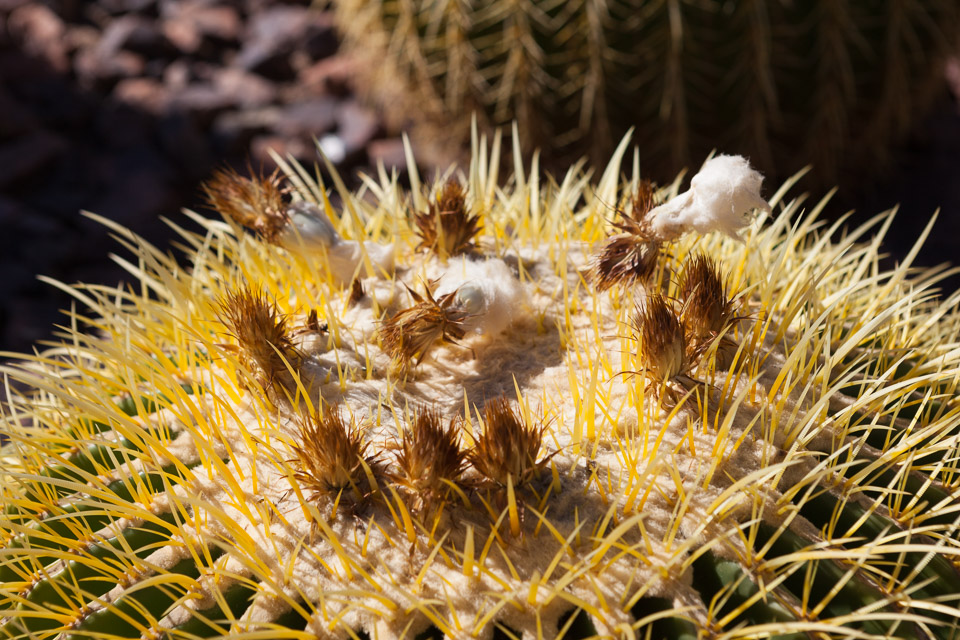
pixel 18 68
pixel 137 200
pixel 24 157
pixel 308 118
pixel 122 126
pixel 29 320
pixel 103 71
pixel 55 101
pixel 137 34
pixel 184 143
pixel 320 40
pixel 235 129
pixel 389 151
pixel 202 101
pixel 184 35
pixel 145 94
pixel 273 34
pixel 220 23
pixel 80 36
pixel 177 75
pixel 16 118
pixel 267 59
pixel 202 31
pixel 246 89
pixel 123 7
pixel 11 5
pixel 261 146
pixel 357 126
pixel 332 75
pixel 41 33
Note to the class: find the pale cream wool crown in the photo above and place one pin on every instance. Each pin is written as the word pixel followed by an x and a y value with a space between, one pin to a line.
pixel 633 488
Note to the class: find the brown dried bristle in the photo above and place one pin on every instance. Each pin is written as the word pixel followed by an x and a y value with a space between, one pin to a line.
pixel 624 259
pixel 708 313
pixel 630 256
pixel 644 200
pixel 507 446
pixel 429 458
pixel 447 228
pixel 410 333
pixel 331 456
pixel 257 203
pixel 707 310
pixel 263 336
pixel 356 291
pixel 664 343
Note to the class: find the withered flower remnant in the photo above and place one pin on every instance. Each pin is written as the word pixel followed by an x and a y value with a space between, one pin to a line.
pixel 410 333
pixel 332 456
pixel 631 256
pixel 447 228
pixel 429 458
pixel 258 202
pixel 263 337
pixel 508 448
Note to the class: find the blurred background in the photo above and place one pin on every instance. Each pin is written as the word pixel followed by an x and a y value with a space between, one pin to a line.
pixel 123 107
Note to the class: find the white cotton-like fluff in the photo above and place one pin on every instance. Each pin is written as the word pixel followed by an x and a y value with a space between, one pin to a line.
pixel 487 290
pixel 311 229
pixel 720 198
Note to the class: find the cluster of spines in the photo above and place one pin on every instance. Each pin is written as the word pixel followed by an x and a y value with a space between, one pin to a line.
pixel 675 336
pixel 446 229
pixel 333 457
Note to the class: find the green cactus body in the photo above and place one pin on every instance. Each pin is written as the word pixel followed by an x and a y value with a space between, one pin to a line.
pixel 827 83
pixel 159 481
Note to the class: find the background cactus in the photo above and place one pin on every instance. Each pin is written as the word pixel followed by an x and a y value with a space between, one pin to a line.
pixel 168 476
pixel 785 83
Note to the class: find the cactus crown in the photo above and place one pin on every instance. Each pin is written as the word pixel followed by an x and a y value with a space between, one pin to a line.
pixel 159 483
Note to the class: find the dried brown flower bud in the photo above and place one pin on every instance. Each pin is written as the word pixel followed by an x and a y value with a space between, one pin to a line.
pixel 410 333
pixel 708 311
pixel 508 447
pixel 429 458
pixel 667 355
pixel 331 456
pixel 257 203
pixel 356 291
pixel 263 336
pixel 447 228
pixel 664 342
pixel 630 256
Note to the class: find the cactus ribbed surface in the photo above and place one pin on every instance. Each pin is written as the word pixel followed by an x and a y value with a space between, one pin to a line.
pixel 753 439
pixel 787 83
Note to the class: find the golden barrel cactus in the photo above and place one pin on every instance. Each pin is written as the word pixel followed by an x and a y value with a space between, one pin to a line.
pixel 754 437
pixel 785 82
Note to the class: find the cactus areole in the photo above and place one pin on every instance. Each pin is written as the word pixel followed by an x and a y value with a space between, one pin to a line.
pixel 331 425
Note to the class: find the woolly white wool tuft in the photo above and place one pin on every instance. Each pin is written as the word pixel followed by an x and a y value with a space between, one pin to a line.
pixel 486 290
pixel 310 230
pixel 721 198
